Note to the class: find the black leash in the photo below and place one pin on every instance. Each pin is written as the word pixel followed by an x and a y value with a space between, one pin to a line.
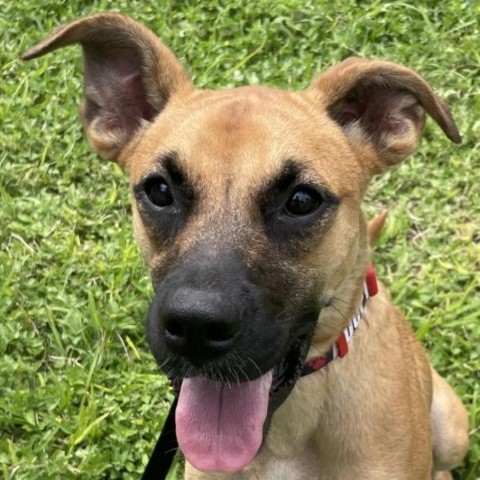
pixel 165 449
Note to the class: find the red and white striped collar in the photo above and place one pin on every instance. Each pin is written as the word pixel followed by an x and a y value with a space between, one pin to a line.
pixel 340 348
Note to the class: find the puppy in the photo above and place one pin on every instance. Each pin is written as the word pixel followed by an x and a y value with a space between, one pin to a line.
pixel 247 210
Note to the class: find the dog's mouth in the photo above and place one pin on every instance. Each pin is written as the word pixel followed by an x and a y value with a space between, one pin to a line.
pixel 220 427
pixel 287 371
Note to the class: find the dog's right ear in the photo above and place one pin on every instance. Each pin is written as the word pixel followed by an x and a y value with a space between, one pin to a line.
pixel 129 77
pixel 381 106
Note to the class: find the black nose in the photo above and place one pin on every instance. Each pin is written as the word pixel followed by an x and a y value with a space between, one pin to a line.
pixel 199 325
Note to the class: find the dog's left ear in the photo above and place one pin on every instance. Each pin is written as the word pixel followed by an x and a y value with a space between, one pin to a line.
pixel 381 105
pixel 130 76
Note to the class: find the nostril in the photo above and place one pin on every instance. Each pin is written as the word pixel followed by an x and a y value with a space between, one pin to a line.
pixel 220 332
pixel 174 328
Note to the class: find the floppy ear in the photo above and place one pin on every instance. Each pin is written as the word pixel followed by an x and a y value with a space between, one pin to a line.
pixel 129 77
pixel 381 105
pixel 375 227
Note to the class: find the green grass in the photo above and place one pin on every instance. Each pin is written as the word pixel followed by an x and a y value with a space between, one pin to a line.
pixel 80 393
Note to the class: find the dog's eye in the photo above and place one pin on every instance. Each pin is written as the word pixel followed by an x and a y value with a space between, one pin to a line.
pixel 303 201
pixel 158 192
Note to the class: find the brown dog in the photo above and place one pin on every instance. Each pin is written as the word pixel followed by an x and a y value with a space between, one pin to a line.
pixel 246 207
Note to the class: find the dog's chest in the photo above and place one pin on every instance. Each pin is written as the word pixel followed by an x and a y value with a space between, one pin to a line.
pixel 267 466
pixel 272 467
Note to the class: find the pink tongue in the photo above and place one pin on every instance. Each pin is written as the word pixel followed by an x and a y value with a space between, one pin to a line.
pixel 219 428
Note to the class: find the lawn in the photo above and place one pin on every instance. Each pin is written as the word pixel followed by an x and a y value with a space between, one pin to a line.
pixel 81 396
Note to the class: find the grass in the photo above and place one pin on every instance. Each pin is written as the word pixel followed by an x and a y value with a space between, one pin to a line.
pixel 81 395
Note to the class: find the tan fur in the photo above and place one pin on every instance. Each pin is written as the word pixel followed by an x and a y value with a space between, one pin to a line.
pixel 375 227
pixel 382 411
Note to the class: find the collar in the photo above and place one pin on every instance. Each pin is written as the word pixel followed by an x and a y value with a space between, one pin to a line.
pixel 340 348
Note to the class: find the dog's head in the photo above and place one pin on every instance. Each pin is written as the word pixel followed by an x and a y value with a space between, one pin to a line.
pixel 246 204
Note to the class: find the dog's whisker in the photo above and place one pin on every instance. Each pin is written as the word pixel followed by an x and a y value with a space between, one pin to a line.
pixel 254 364
pixel 342 314
pixel 334 300
pixel 176 450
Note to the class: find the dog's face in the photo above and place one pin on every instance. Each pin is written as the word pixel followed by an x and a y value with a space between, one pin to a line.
pixel 246 202
pixel 238 209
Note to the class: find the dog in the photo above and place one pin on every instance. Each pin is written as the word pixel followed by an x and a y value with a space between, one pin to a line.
pixel 247 211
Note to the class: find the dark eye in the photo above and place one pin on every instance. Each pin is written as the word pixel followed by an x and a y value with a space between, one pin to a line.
pixel 303 201
pixel 158 192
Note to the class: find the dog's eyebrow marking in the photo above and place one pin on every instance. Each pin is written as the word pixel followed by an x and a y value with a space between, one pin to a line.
pixel 278 183
pixel 274 191
pixel 169 162
pixel 183 183
pixel 289 173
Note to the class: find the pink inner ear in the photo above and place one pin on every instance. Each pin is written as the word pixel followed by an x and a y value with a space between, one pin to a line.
pixel 115 94
pixel 133 90
pixel 348 112
pixel 381 112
